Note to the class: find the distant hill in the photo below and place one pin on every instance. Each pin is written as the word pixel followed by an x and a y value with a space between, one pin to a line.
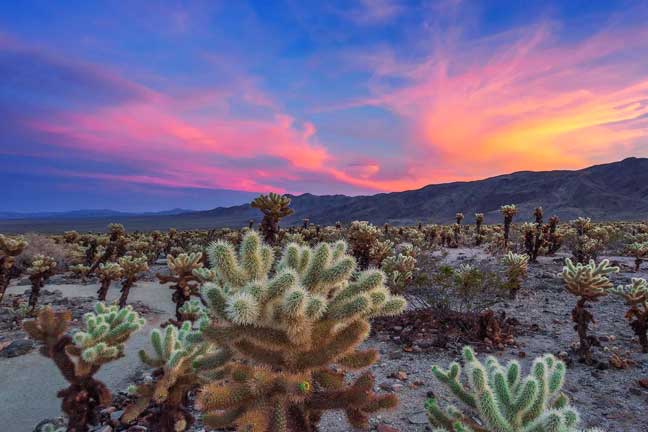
pixel 614 191
pixel 91 213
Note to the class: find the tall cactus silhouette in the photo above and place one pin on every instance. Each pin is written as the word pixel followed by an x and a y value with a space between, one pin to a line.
pixel 502 399
pixel 287 338
pixel 508 211
pixel 274 207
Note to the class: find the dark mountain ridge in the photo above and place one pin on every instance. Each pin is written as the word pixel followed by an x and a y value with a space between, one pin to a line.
pixel 613 191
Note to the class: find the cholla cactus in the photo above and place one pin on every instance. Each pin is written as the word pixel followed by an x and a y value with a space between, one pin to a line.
pixel 185 284
pixel 638 251
pixel 516 269
pixel 399 269
pixel 635 295
pixel 459 217
pixel 115 247
pixel 132 267
pixel 108 273
pixel 10 248
pixel 365 242
pixel 41 269
pixel 71 236
pixel 588 283
pixel 500 399
pixel 193 311
pixel 274 207
pixel 508 211
pixel 204 274
pixel 281 334
pixel 81 356
pixel 80 270
pixel 174 376
pixel 479 221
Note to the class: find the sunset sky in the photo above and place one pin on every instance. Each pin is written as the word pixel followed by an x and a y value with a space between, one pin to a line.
pixel 153 105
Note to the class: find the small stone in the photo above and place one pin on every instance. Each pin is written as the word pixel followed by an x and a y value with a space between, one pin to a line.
pixel 397 387
pixel 17 348
pixel 418 418
pixel 398 328
pixel 115 416
pixel 643 383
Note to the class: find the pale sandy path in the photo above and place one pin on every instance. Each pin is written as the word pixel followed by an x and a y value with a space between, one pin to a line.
pixel 28 383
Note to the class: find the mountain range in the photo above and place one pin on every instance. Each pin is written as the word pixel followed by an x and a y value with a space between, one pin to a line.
pixel 613 191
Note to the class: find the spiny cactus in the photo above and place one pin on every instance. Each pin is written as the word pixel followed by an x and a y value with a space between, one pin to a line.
pixel 80 270
pixel 132 267
pixel 635 295
pixel 115 248
pixel 193 311
pixel 10 248
pixel 500 399
pixel 185 283
pixel 41 269
pixel 479 221
pixel 639 251
pixel 274 207
pixel 399 269
pixel 588 283
pixel 107 273
pixel 508 211
pixel 281 335
pixel 174 376
pixel 516 268
pixel 79 357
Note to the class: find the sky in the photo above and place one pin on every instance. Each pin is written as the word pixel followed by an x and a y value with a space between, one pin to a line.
pixel 152 105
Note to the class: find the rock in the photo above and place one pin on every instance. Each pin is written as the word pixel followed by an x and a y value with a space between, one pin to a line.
pixel 418 418
pixel 17 348
pixel 115 416
pixel 643 382
pixel 397 387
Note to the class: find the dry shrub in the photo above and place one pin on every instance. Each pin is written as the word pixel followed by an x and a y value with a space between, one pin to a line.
pixel 43 245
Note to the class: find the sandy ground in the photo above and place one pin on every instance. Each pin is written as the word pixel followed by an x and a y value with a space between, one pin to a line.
pixel 610 398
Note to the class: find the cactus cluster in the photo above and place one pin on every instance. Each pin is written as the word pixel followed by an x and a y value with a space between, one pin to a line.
pixel 400 268
pixel 107 273
pixel 499 398
pixel 508 211
pixel 281 334
pixel 174 376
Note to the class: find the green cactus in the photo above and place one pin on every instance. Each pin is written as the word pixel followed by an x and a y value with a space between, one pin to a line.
pixel 41 269
pixel 132 267
pixel 516 269
pixel 107 273
pixel 175 353
pixel 79 357
pixel 280 334
pixel 500 399
pixel 10 248
pixel 635 295
pixel 185 283
pixel 588 283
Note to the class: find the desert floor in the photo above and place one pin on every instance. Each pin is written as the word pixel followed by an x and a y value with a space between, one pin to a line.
pixel 606 396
